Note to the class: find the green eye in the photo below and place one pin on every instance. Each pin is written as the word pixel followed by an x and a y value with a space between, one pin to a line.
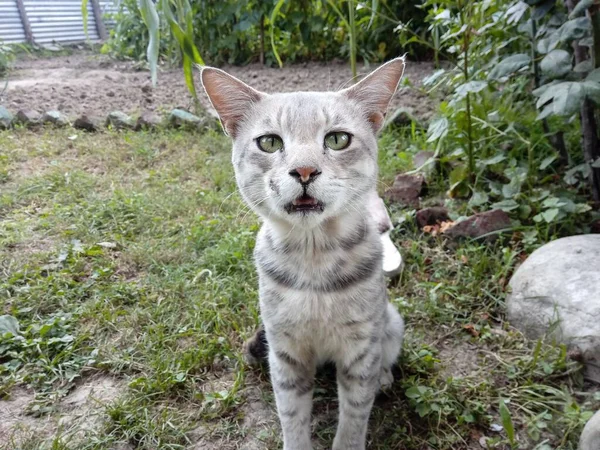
pixel 338 140
pixel 270 143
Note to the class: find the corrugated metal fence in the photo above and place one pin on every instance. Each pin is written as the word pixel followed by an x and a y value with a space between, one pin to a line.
pixel 46 21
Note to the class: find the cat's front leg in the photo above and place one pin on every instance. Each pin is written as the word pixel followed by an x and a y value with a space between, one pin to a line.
pixel 293 381
pixel 358 382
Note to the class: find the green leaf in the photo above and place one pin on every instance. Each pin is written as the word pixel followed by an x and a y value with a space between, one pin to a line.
pixel 547 161
pixel 550 214
pixel 584 66
pixel 470 87
pixel 413 392
pixel 510 65
pixel 478 199
pixel 506 205
pixel 84 15
pixel 574 29
pixel 556 64
pixel 507 422
pixel 438 128
pixel 274 15
pixel 594 75
pixel 9 324
pixel 581 8
pixel 566 98
pixel 150 18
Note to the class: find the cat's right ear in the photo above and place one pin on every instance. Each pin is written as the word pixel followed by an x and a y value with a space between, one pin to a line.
pixel 231 97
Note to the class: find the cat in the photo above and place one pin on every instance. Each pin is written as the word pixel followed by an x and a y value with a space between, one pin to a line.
pixel 306 162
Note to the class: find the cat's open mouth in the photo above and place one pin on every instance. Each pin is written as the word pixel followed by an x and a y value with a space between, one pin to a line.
pixel 305 203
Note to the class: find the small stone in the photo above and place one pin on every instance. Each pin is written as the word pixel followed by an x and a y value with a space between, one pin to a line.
pixel 28 117
pixel 6 118
pixel 181 119
pixel 119 121
pixel 110 94
pixel 406 190
pixel 55 118
pixel 52 47
pixel 590 437
pixel 480 225
pixel 148 121
pixel 554 294
pixel 84 122
pixel 147 88
pixel 432 216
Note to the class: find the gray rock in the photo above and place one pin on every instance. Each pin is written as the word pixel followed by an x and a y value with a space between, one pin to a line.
pixel 28 118
pixel 426 163
pixel 87 123
pixel 55 118
pixel 406 190
pixel 183 119
pixel 6 118
pixel 479 225
pixel 148 121
pixel 557 291
pixel 590 437
pixel 120 121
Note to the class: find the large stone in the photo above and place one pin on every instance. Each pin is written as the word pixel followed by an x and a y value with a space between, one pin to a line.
pixel 87 123
pixel 120 121
pixel 55 118
pixel 478 225
pixel 148 121
pixel 556 292
pixel 406 190
pixel 28 118
pixel 183 119
pixel 590 437
pixel 6 118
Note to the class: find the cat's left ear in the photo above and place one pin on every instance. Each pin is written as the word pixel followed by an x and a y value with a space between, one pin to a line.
pixel 231 97
pixel 375 91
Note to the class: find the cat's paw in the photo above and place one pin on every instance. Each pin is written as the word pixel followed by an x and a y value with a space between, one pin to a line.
pixel 386 378
pixel 255 349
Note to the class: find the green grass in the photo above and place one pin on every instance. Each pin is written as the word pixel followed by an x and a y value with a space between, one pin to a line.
pixel 128 256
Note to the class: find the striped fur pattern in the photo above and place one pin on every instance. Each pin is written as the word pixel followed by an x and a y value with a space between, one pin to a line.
pixel 322 292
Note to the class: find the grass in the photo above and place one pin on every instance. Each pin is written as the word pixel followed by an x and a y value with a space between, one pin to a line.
pixel 127 256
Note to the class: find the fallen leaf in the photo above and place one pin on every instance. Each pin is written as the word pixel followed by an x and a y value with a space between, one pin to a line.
pixel 445 226
pixel 471 329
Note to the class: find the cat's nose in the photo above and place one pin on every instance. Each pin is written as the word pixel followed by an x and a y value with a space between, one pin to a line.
pixel 305 175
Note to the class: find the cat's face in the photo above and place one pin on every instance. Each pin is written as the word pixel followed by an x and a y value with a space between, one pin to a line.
pixel 304 157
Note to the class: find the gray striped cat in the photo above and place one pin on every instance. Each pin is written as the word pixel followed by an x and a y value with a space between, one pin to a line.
pixel 306 162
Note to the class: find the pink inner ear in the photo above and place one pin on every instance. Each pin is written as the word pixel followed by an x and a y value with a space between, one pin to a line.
pixel 376 120
pixel 231 97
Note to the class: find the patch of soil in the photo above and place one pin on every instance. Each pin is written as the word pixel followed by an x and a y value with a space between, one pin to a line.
pixel 96 85
pixel 458 359
pixel 78 412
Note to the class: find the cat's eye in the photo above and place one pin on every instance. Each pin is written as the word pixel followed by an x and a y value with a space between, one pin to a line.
pixel 338 140
pixel 270 143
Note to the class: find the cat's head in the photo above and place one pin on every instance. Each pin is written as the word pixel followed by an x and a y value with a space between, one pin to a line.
pixel 304 157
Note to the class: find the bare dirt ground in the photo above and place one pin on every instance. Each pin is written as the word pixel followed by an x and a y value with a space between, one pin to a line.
pixel 96 85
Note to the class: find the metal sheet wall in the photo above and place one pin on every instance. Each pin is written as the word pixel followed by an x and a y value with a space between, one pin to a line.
pixel 51 20
pixel 11 28
pixel 59 20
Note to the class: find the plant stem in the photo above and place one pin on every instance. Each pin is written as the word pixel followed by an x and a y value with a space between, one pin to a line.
pixel 591 144
pixel 262 39
pixel 465 69
pixel 352 36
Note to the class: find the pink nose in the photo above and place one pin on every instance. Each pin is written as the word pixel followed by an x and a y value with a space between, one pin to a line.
pixel 305 174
